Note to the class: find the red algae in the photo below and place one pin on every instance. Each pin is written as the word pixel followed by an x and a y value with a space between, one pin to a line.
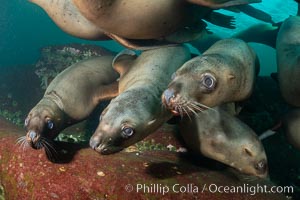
pixel 28 174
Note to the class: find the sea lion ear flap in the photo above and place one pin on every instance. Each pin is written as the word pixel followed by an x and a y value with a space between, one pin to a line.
pixel 123 61
pixel 231 76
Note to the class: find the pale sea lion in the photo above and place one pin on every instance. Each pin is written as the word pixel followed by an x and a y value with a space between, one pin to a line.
pixel 70 98
pixel 222 137
pixel 137 111
pixel 291 127
pixel 66 15
pixel 288 62
pixel 223 73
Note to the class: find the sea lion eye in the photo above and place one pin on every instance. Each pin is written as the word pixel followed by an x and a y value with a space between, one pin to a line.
pixel 173 76
pixel 127 132
pixel 50 124
pixel 26 122
pixel 209 81
pixel 261 166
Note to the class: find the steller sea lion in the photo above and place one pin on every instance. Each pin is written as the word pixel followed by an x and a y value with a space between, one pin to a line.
pixel 71 97
pixel 66 15
pixel 137 111
pixel 154 19
pixel 223 73
pixel 149 25
pixel 291 127
pixel 220 136
pixel 288 62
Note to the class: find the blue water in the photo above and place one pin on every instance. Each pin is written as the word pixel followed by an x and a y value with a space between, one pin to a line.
pixel 25 28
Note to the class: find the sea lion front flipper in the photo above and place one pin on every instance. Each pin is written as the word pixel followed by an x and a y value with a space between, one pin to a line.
pixel 137 44
pixel 189 33
pixel 107 92
pixel 123 61
pixel 256 13
pixel 260 33
pixel 220 19
pixel 221 3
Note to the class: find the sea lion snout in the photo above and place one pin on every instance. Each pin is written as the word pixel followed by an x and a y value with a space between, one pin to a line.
pixel 102 147
pixel 94 143
pixel 262 168
pixel 32 138
pixel 168 96
pixel 169 101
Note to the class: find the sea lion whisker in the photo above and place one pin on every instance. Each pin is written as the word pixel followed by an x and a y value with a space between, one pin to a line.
pixel 20 139
pixel 196 107
pixel 196 114
pixel 180 111
pixel 202 105
pixel 21 142
pixel 48 144
pixel 24 145
pixel 187 113
pixel 50 150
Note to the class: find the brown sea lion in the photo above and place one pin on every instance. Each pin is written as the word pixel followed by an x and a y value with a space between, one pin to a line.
pixel 149 25
pixel 220 136
pixel 288 62
pixel 66 15
pixel 223 73
pixel 164 21
pixel 137 111
pixel 70 98
pixel 291 127
pixel 138 19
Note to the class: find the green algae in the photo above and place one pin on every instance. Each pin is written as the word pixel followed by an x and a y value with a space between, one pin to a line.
pixel 55 59
pixel 71 137
pixel 14 117
pixel 152 145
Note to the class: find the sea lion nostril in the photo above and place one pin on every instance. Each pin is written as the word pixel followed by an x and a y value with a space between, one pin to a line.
pixel 94 144
pixel 262 166
pixel 168 94
pixel 32 135
pixel 104 151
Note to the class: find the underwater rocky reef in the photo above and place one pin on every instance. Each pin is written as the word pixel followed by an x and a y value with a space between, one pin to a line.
pixel 181 112
pixel 161 158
